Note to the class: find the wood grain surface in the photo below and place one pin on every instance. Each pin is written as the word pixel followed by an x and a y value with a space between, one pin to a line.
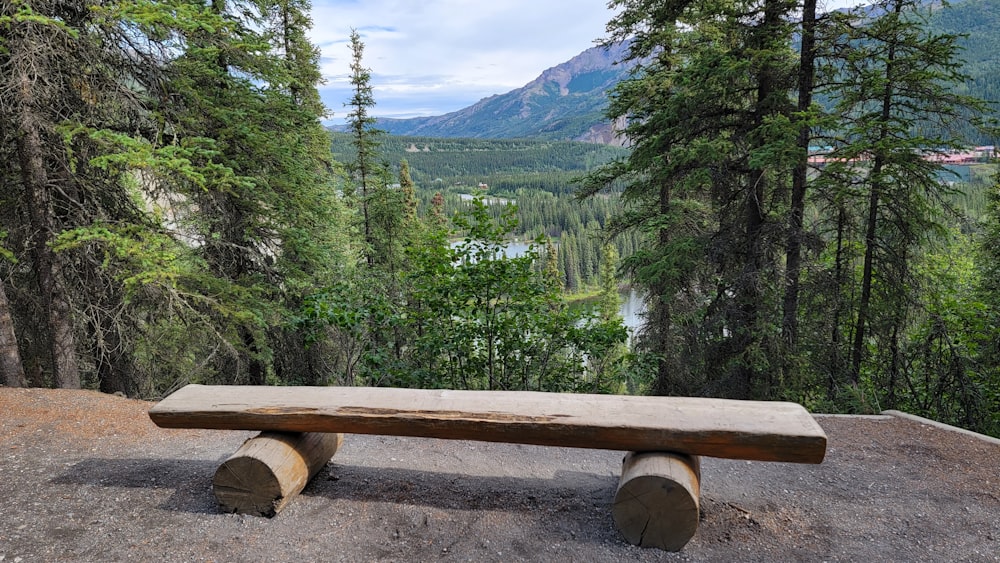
pixel 754 430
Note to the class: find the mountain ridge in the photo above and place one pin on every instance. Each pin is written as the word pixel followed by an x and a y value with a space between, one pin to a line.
pixel 565 102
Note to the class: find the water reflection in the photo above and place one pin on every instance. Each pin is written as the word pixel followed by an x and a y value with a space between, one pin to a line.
pixel 633 306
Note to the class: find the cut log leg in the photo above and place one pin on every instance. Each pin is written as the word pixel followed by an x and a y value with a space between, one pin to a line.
pixel 657 500
pixel 271 468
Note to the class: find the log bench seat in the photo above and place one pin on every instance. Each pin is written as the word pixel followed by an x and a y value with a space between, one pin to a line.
pixel 656 503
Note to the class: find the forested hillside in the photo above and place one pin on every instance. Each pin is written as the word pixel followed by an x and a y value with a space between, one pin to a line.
pixel 977 23
pixel 507 164
pixel 538 176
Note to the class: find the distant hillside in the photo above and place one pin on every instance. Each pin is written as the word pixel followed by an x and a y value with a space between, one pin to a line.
pixel 566 102
pixel 505 164
pixel 979 21
pixel 977 25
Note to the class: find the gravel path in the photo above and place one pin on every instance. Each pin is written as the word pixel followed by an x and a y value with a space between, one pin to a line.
pixel 87 477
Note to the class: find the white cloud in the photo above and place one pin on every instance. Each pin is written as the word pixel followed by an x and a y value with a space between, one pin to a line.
pixel 436 56
pixel 828 5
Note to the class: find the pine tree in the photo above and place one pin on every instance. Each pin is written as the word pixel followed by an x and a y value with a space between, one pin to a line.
pixel 409 190
pixel 179 191
pixel 706 182
pixel 550 266
pixel 797 201
pixel 44 39
pixel 607 366
pixel 366 170
pixel 244 90
pixel 891 87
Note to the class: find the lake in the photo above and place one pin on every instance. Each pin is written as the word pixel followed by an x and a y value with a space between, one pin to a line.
pixel 512 249
pixel 632 306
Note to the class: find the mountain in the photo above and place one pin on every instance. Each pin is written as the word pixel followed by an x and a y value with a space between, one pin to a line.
pixel 566 102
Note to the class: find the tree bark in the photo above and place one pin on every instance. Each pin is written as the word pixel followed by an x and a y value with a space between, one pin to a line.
pixel 864 303
pixel 30 148
pixel 793 252
pixel 749 381
pixel 660 311
pixel 11 368
pixel 835 367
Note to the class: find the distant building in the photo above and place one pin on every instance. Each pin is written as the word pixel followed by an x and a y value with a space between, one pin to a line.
pixel 818 155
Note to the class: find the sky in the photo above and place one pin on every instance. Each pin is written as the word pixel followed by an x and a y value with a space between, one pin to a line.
pixel 431 57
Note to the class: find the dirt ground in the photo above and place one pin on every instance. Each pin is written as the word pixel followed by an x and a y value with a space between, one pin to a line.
pixel 87 477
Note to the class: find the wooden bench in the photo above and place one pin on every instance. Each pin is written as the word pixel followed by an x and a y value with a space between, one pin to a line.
pixel 656 503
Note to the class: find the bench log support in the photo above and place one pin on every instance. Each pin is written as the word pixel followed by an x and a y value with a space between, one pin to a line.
pixel 270 469
pixel 656 504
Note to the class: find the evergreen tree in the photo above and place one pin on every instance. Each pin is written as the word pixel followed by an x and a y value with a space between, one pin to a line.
pixel 244 85
pixel 176 200
pixel 409 190
pixel 42 40
pixel 609 302
pixel 709 120
pixel 366 170
pixel 607 367
pixel 550 266
pixel 987 390
pixel 797 201
pixel 891 80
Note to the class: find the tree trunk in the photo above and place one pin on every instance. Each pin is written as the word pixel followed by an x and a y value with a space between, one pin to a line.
pixel 871 232
pixel 793 251
pixel 657 504
pixel 864 304
pixel 838 305
pixel 66 373
pixel 746 330
pixel 11 369
pixel 660 312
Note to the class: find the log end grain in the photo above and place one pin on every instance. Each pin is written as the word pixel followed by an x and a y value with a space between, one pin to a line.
pixel 656 504
pixel 270 469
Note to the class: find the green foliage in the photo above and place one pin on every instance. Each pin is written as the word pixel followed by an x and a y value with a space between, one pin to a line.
pixel 884 314
pixel 890 81
pixel 193 207
pixel 710 125
pixel 946 378
pixel 987 292
pixel 473 318
pixel 5 254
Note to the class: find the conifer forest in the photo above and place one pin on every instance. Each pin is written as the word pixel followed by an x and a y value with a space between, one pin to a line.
pixel 173 211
